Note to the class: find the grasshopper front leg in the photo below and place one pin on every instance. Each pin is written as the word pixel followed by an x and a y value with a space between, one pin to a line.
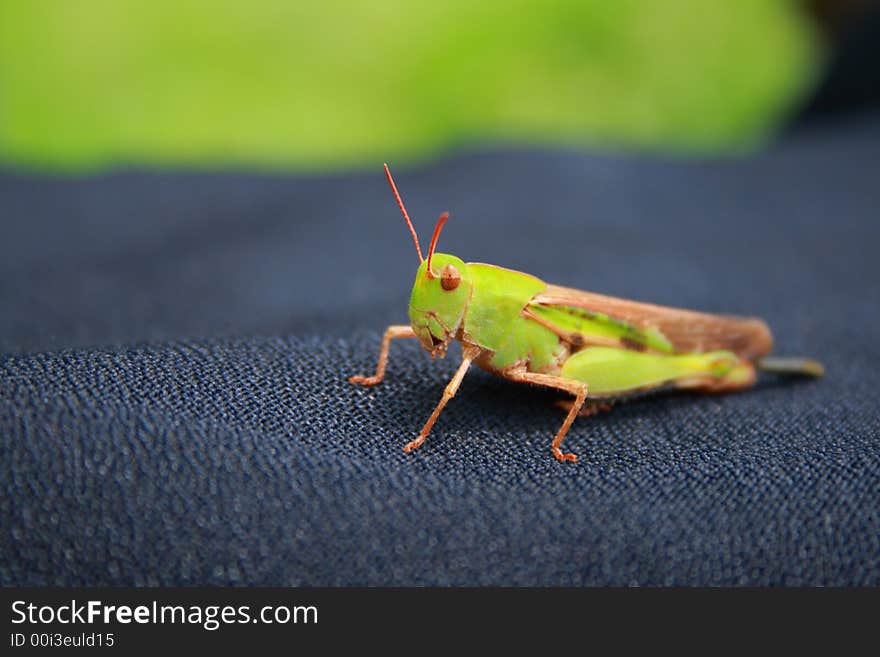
pixel 468 354
pixel 392 332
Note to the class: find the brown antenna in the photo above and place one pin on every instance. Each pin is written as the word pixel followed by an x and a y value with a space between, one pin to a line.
pixel 403 212
pixel 437 229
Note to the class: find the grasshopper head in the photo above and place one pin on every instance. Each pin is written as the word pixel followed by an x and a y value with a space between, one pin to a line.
pixel 439 300
pixel 441 290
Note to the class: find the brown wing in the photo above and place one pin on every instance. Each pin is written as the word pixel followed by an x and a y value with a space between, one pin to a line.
pixel 687 330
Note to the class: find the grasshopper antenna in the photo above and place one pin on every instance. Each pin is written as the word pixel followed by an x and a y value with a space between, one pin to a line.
pixel 434 237
pixel 405 215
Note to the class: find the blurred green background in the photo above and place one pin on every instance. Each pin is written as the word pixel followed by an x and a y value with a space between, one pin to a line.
pixel 269 83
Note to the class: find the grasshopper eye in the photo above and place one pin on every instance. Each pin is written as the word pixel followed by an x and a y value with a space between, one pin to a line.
pixel 449 278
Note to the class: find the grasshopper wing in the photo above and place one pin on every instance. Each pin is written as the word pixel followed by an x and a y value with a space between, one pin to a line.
pixel 599 319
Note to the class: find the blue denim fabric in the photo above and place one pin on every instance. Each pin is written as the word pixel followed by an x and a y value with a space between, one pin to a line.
pixel 174 406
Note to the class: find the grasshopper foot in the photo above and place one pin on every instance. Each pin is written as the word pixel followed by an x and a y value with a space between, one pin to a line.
pixel 414 444
pixel 564 456
pixel 365 380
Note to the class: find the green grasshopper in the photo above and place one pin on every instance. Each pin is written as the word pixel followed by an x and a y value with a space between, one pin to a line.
pixel 599 349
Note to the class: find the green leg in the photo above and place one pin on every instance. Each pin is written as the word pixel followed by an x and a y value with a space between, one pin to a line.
pixel 611 371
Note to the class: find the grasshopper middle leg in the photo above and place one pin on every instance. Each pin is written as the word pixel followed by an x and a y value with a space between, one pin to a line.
pixel 577 388
pixel 589 408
